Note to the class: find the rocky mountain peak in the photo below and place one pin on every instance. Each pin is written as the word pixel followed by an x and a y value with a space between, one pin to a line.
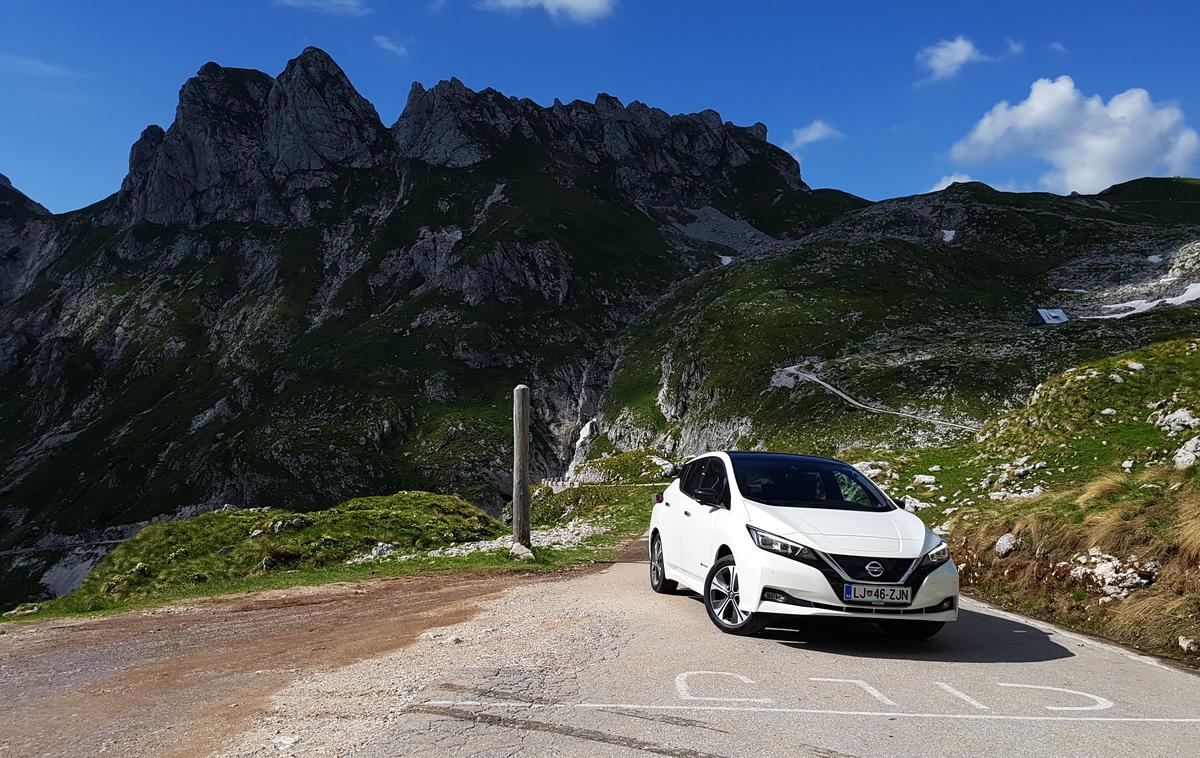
pixel 244 145
pixel 661 159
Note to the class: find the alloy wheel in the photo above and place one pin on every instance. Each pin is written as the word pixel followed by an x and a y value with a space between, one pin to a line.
pixel 656 562
pixel 723 594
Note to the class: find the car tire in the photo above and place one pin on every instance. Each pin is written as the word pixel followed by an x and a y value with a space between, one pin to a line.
pixel 658 571
pixel 912 630
pixel 720 600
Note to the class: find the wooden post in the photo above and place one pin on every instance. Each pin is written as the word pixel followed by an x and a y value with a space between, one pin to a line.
pixel 520 495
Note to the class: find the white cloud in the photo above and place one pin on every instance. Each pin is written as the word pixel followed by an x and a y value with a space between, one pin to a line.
pixel 1057 47
pixel 34 67
pixel 383 42
pixel 1015 46
pixel 579 11
pixel 949 179
pixel 944 59
pixel 332 7
pixel 814 132
pixel 1088 143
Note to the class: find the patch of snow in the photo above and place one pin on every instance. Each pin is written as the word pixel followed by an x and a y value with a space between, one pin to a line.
pixel 1141 306
pixel 726 260
pixel 948 235
pixel 1154 258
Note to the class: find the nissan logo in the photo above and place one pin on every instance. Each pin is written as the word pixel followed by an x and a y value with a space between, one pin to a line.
pixel 875 569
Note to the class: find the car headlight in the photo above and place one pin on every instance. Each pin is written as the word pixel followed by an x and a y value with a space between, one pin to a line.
pixel 774 544
pixel 937 556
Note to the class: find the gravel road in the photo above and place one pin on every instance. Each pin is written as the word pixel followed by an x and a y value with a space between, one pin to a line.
pixel 597 665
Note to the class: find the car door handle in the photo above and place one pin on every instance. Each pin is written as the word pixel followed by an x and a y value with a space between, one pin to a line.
pixel 687 513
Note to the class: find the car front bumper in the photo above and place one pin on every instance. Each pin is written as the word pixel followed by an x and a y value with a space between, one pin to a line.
pixel 808 591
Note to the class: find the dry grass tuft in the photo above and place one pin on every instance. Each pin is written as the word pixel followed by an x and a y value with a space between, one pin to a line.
pixel 1109 483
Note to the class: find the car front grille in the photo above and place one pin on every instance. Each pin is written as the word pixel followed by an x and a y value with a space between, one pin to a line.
pixel 855 567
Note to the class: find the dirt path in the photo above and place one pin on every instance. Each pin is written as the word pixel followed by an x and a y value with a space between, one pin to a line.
pixel 183 679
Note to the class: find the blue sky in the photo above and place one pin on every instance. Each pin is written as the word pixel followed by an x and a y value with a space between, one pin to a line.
pixel 885 101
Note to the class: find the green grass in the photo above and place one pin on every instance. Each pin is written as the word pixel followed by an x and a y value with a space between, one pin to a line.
pixel 1088 500
pixel 214 554
pixel 627 467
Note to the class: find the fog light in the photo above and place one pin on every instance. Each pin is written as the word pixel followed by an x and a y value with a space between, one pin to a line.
pixel 774 596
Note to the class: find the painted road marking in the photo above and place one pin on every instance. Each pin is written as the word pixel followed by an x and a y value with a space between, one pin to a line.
pixel 684 691
pixel 860 683
pixel 814 711
pixel 1100 704
pixel 962 696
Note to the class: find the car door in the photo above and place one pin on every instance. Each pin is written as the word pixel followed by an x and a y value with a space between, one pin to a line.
pixel 699 521
pixel 675 502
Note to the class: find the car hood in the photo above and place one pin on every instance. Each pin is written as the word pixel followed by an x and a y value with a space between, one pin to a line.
pixel 888 533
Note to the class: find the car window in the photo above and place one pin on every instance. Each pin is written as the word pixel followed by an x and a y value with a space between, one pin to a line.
pixel 851 491
pixel 691 476
pixel 714 475
pixel 806 483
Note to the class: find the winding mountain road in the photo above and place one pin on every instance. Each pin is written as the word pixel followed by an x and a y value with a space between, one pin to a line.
pixel 588 664
pixel 807 376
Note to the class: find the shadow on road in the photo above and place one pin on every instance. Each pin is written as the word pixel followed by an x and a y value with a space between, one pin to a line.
pixel 974 638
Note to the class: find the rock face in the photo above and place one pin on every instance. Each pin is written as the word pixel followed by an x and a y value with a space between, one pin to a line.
pixel 247 147
pixel 244 145
pixel 659 159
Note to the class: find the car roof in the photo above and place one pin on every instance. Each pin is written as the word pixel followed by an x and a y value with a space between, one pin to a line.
pixel 758 455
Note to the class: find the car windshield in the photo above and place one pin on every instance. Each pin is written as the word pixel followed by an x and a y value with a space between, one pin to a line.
pixel 794 482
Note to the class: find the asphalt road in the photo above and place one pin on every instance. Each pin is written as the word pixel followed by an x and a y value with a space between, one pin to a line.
pixel 591 664
pixel 600 666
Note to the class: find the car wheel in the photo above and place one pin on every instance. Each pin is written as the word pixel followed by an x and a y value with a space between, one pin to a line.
pixel 658 571
pixel 721 594
pixel 912 630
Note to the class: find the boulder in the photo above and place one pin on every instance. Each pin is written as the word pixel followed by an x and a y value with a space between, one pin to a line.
pixel 1007 543
pixel 520 553
pixel 1185 456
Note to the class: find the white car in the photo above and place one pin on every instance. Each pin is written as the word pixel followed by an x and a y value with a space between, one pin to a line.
pixel 762 535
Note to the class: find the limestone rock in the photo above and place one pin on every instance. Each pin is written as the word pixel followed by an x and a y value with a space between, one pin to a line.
pixel 1007 543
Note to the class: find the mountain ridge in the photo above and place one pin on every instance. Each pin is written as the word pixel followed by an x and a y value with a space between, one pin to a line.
pixel 289 303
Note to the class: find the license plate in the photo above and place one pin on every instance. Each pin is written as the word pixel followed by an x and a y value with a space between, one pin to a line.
pixel 870 593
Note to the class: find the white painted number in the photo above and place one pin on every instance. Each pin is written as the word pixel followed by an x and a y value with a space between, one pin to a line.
pixel 1098 703
pixel 684 690
pixel 866 688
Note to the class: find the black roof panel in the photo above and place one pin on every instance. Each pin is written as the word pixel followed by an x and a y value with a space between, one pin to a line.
pixel 760 455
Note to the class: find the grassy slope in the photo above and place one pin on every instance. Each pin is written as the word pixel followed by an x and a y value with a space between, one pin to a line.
pixel 214 554
pixel 906 326
pixel 1151 512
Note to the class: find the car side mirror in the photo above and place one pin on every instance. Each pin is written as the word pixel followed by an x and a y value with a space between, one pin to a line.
pixel 708 496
